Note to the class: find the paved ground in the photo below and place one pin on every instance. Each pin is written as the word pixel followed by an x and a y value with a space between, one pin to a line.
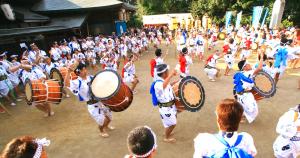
pixel 74 134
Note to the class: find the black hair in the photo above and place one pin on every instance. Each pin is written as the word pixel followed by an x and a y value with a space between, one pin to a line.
pixel 241 64
pixel 140 140
pixel 158 52
pixel 184 50
pixel 79 68
pixel 231 40
pixel 264 57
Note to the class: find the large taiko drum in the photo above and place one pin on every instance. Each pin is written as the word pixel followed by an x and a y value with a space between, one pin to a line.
pixel 107 86
pixel 265 86
pixel 60 75
pixel 189 94
pixel 37 91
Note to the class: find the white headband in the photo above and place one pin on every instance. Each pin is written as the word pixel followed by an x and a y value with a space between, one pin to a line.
pixel 40 143
pixel 153 148
pixel 163 70
pixel 244 65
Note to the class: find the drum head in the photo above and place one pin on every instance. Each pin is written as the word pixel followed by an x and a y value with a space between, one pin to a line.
pixel 191 93
pixel 105 84
pixel 28 92
pixel 55 74
pixel 221 36
pixel 264 84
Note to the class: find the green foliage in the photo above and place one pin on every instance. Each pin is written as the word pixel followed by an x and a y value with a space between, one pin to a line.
pixel 216 9
pixel 286 23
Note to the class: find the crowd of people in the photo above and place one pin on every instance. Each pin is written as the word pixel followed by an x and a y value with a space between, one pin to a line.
pixel 275 49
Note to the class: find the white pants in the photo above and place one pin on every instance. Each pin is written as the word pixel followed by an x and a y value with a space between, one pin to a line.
pixel 199 50
pixel 211 73
pixel 128 78
pixel 98 112
pixel 279 70
pixel 6 87
pixel 229 60
pixel 249 104
pixel 168 115
pixel 285 148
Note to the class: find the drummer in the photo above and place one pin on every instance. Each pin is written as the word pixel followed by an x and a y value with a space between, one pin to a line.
pixel 80 87
pixel 211 66
pixel 166 100
pixel 36 74
pixel 287 143
pixel 184 62
pixel 243 84
pixel 129 73
pixel 156 61
pixel 141 142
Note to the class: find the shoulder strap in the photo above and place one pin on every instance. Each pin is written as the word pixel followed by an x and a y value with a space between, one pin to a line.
pixel 79 85
pixel 222 140
pixel 238 140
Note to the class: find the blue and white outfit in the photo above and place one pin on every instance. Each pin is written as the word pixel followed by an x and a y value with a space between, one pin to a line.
pixel 203 150
pixel 12 76
pixel 129 72
pixel 98 111
pixel 243 83
pixel 280 61
pixel 287 144
pixel 168 114
pixel 5 83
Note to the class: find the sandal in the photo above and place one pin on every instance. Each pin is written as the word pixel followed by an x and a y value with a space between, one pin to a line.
pixel 104 135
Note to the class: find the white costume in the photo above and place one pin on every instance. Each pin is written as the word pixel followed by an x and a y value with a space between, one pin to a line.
pixel 129 72
pixel 247 99
pixel 207 144
pixel 98 111
pixel 5 83
pixel 168 114
pixel 211 69
pixel 287 144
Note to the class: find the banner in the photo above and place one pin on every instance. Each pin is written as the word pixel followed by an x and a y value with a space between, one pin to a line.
pixel 227 18
pixel 257 11
pixel 120 27
pixel 238 20
pixel 265 16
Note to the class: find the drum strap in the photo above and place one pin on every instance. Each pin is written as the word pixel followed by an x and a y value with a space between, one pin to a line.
pixel 79 86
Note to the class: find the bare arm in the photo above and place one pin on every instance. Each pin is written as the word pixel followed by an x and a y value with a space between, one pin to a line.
pixel 260 64
pixel 168 79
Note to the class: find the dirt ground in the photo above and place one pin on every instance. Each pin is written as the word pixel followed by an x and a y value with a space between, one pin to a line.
pixel 74 134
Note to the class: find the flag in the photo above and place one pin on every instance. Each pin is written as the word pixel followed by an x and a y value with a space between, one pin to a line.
pixel 238 20
pixel 265 16
pixel 257 11
pixel 228 17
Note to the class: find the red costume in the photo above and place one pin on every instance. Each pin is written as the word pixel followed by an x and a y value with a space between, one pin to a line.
pixel 182 62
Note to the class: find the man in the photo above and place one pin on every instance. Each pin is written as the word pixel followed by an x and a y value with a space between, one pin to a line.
pixel 210 68
pixel 55 53
pixel 129 73
pixel 287 144
pixel 80 87
pixel 243 84
pixel 156 61
pixel 35 54
pixel 229 114
pixel 280 60
pixel 184 62
pixel 141 142
pixel 162 91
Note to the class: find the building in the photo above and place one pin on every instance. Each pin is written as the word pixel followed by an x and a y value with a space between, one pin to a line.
pixel 43 21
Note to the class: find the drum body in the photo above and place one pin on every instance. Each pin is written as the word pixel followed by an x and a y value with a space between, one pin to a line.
pixel 60 75
pixel 189 94
pixel 221 36
pixel 265 86
pixel 38 91
pixel 107 86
